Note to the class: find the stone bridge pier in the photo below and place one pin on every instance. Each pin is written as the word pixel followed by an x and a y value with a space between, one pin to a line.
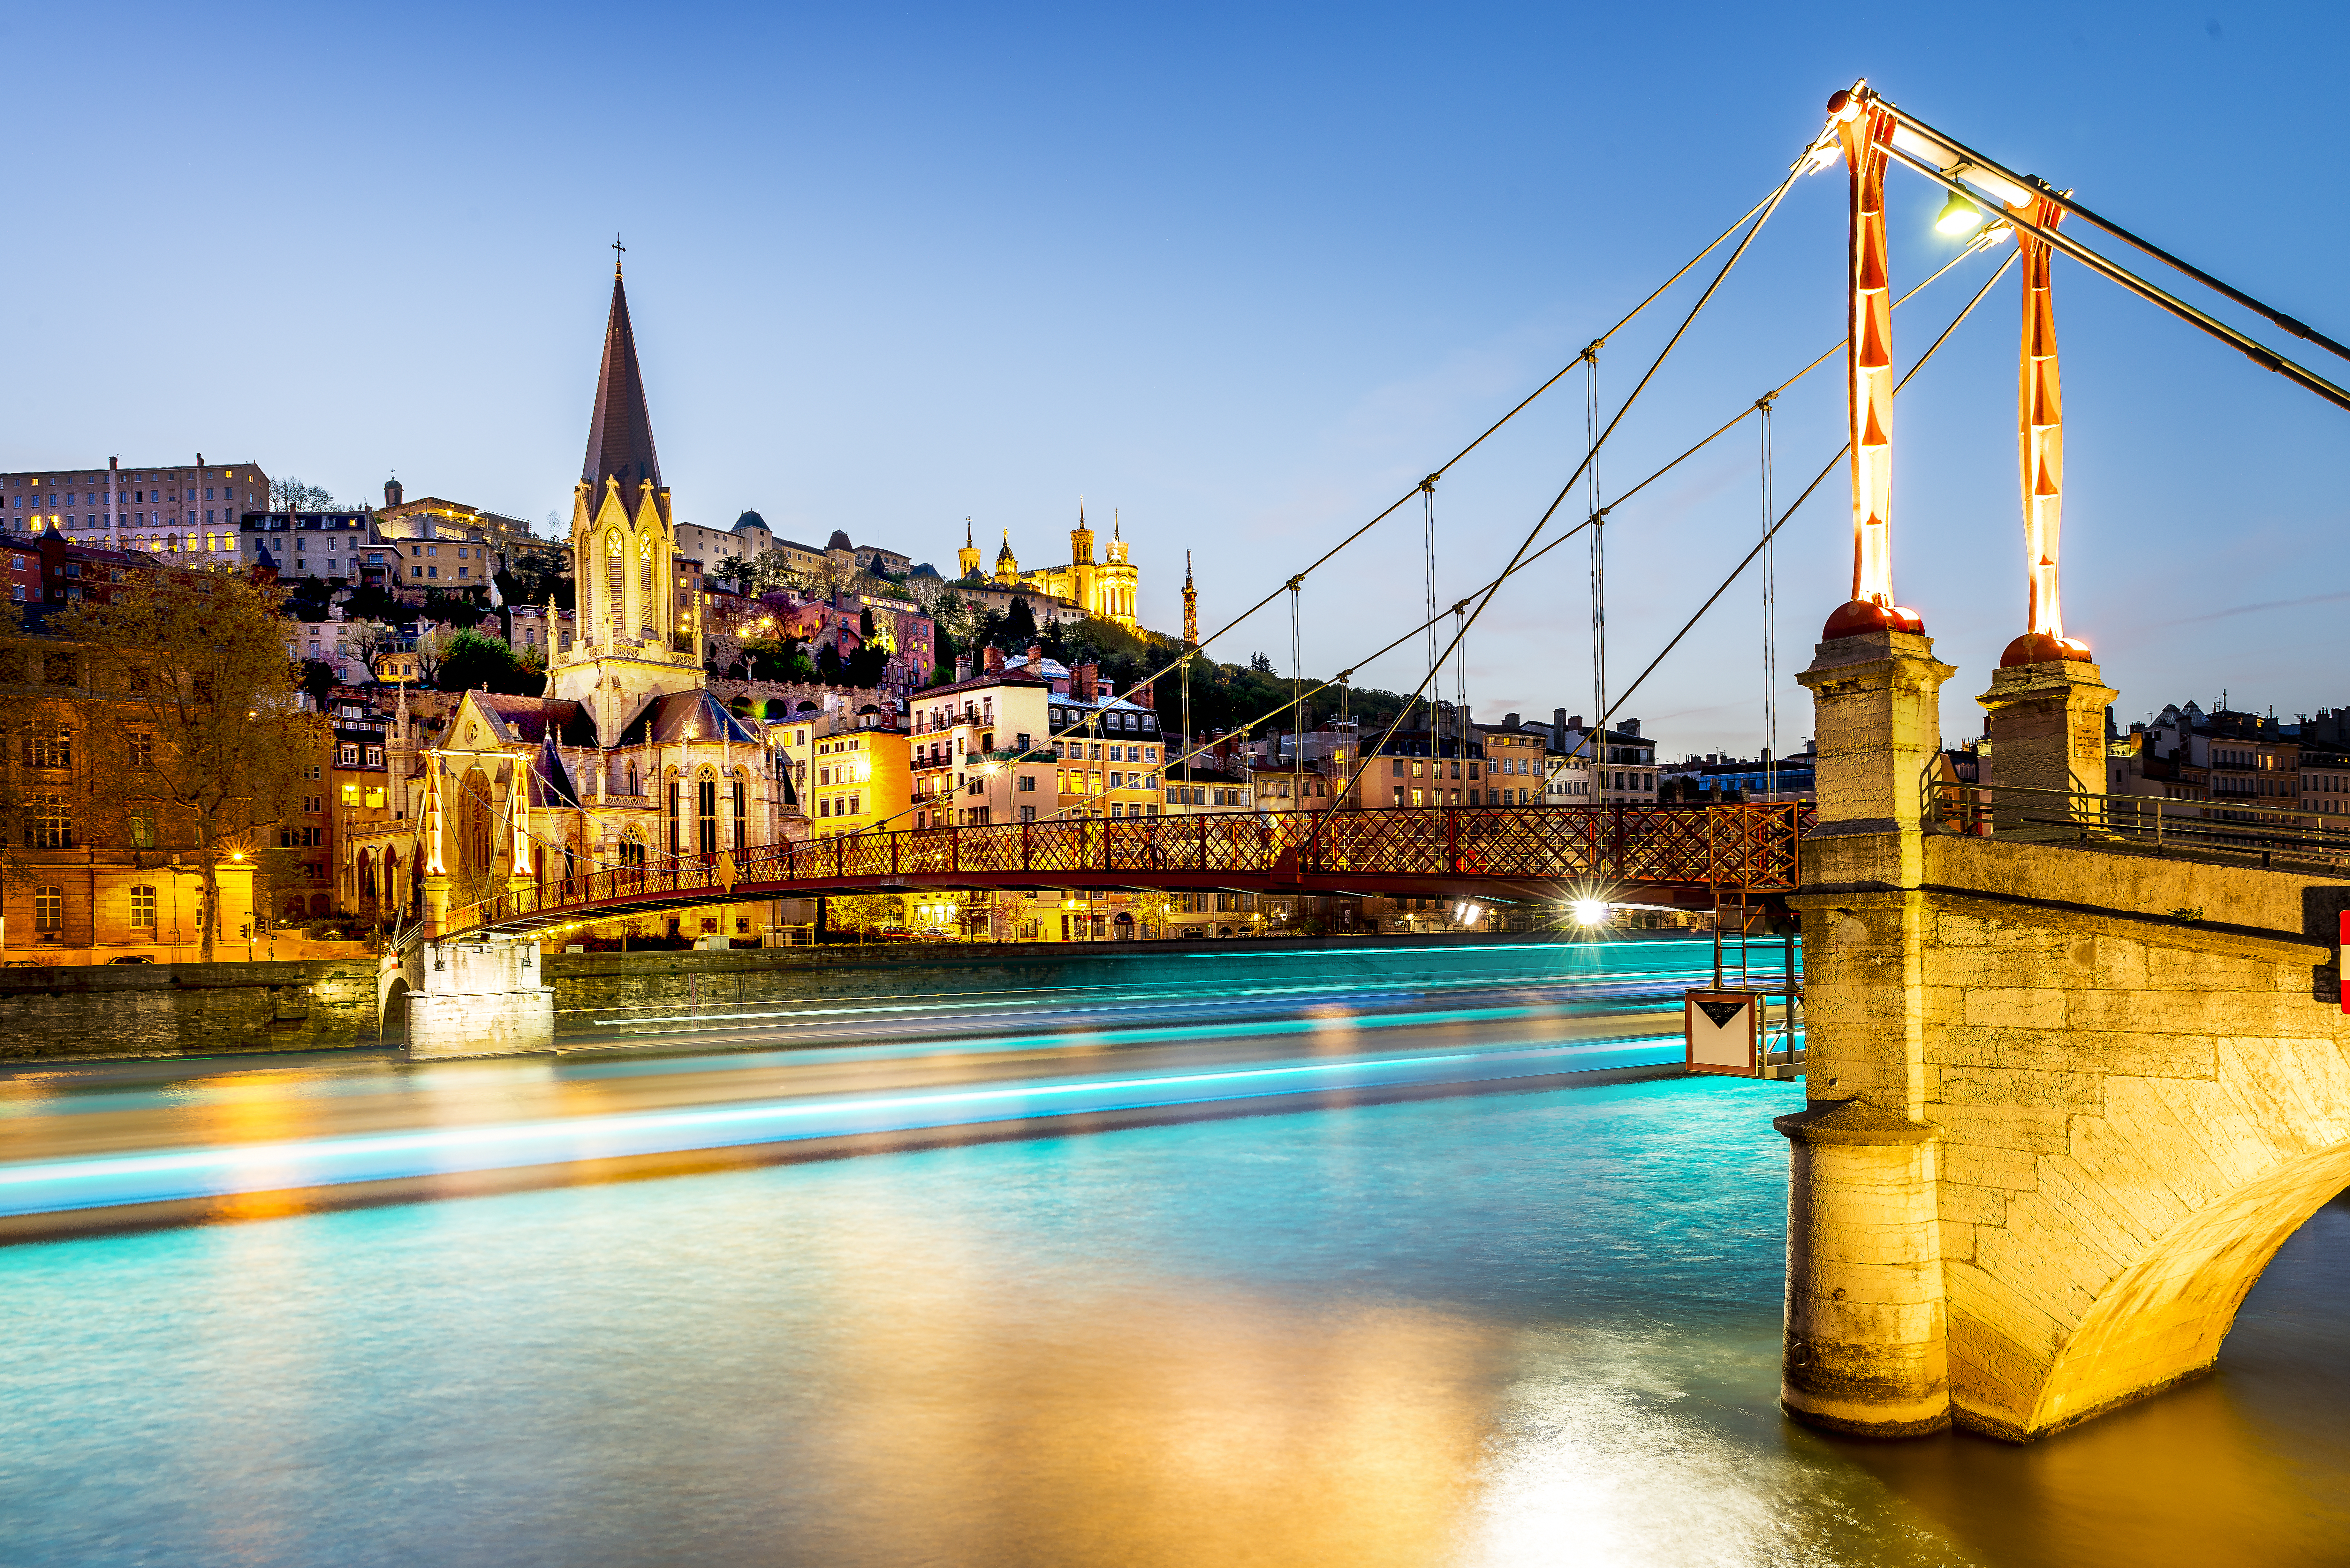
pixel 2065 1101
pixel 476 998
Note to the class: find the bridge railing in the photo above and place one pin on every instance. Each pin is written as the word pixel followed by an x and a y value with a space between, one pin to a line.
pixel 2259 829
pixel 1752 847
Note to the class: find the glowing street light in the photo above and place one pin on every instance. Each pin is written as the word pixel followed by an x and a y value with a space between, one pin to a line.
pixel 1959 216
pixel 1589 912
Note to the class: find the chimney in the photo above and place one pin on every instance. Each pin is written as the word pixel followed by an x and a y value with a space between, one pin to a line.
pixel 1558 719
pixel 1509 720
pixel 1576 722
pixel 962 667
pixel 1140 696
pixel 1036 657
pixel 1081 681
pixel 991 661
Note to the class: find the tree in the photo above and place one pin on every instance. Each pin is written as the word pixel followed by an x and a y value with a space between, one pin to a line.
pixel 865 911
pixel 367 640
pixel 472 659
pixel 309 597
pixel 202 678
pixel 1020 623
pixel 432 646
pixel 865 624
pixel 318 678
pixel 292 495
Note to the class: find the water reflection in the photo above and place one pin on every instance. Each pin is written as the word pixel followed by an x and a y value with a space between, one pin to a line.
pixel 1520 1329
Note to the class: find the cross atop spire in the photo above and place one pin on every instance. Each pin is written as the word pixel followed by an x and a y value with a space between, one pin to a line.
pixel 621 432
pixel 616 248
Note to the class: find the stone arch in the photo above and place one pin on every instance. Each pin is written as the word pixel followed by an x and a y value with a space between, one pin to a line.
pixel 392 1008
pixel 2161 1319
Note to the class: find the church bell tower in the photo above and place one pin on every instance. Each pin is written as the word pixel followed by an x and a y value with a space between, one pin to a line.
pixel 630 640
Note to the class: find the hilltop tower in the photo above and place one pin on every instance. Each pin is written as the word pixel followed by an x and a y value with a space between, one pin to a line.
pixel 967 558
pixel 1191 606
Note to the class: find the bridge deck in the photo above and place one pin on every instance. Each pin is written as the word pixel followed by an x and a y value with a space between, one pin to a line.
pixel 1499 853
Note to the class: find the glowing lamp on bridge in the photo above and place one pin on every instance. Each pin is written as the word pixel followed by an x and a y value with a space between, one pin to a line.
pixel 1589 912
pixel 1959 216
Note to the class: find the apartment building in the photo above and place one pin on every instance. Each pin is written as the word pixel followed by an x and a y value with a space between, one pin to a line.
pixel 1109 753
pixel 849 770
pixel 164 509
pixel 1423 769
pixel 504 535
pixel 1623 763
pixel 1205 784
pixel 751 539
pixel 1517 767
pixel 46 573
pixel 982 751
pixel 339 547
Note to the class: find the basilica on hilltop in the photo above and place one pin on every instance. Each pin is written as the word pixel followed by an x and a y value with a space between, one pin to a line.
pixel 1109 589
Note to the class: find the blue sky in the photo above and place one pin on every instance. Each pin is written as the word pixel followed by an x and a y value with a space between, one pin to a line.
pixel 1242 273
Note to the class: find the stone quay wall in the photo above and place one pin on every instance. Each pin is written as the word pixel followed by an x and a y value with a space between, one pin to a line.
pixel 193 1010
pixel 186 1009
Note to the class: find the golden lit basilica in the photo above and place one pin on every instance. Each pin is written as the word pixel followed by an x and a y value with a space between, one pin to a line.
pixel 1109 589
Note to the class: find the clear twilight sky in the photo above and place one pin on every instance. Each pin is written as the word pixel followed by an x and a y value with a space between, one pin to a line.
pixel 1242 273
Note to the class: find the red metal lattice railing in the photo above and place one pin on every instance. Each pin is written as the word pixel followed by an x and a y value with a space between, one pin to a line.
pixel 1752 847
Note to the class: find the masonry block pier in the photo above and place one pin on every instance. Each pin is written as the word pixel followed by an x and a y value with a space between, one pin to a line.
pixel 2067 1100
pixel 473 999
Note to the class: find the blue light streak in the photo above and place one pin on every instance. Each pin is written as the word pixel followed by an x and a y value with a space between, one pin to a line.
pixel 112 1180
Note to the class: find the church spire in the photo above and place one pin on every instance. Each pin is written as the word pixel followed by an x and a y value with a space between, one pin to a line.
pixel 621 432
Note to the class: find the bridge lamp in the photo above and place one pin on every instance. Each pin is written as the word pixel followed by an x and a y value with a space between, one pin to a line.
pixel 1589 912
pixel 1959 217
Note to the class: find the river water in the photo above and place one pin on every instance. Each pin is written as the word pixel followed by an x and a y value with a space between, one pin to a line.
pixel 1510 1328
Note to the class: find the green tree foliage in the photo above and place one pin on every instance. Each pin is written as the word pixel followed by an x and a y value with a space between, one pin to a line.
pixel 319 678
pixel 1020 623
pixel 472 659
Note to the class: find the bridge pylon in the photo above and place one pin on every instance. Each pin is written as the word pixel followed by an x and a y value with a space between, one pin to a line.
pixel 1866 1337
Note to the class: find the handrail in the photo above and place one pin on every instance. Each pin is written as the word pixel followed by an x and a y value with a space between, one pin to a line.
pixel 1756 845
pixel 2151 822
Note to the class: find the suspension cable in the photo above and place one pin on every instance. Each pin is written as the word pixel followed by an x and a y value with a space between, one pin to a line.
pixel 1598 516
pixel 1770 606
pixel 1815 484
pixel 1484 596
pixel 1624 321
pixel 1647 375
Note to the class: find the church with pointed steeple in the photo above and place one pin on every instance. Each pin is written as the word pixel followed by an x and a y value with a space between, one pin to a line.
pixel 625 758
